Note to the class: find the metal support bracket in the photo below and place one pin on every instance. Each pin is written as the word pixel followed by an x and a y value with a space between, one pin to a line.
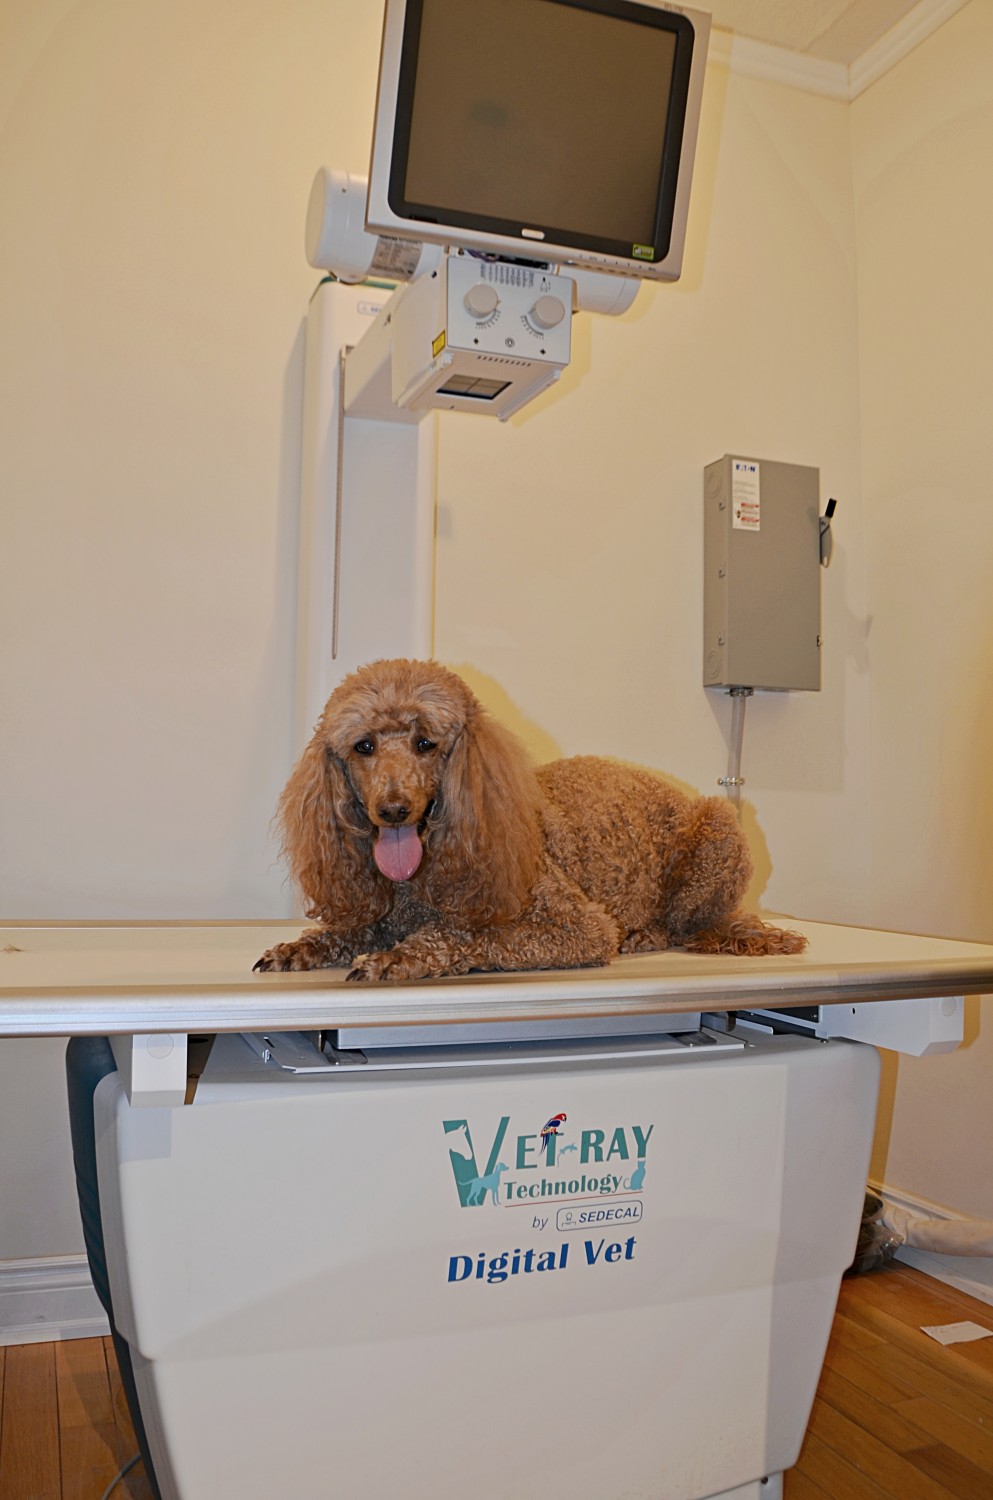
pixel 153 1068
pixel 917 1027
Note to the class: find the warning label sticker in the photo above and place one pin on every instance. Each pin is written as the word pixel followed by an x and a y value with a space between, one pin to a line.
pixel 746 496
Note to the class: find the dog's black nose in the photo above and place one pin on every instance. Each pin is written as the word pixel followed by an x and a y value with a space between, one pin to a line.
pixel 393 812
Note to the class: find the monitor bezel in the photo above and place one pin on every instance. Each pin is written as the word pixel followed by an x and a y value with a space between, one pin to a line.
pixel 388 213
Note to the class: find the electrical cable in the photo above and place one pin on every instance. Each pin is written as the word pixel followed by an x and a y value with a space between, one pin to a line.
pixel 119 1476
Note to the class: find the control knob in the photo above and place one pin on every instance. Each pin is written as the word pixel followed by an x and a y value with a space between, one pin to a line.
pixel 547 312
pixel 481 300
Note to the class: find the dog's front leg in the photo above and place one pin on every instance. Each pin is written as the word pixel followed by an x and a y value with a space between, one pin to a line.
pixel 552 933
pixel 426 955
pixel 319 948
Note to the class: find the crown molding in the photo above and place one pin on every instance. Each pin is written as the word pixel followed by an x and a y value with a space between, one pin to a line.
pixel 753 59
pixel 916 26
pixel 832 80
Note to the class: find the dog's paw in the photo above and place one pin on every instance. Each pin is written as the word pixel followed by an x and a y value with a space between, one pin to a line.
pixel 415 960
pixel 317 950
pixel 358 969
pixel 276 959
pixel 645 940
pixel 390 965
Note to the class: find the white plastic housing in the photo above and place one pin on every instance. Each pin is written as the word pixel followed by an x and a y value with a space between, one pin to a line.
pixel 289 1257
pixel 434 347
pixel 358 599
pixel 336 239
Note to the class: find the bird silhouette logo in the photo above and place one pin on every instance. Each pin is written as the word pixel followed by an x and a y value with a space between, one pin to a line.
pixel 549 1133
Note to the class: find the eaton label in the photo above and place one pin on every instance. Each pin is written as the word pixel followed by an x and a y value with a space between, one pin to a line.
pixel 746 495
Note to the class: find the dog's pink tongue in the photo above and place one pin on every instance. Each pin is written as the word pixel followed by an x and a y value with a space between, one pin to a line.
pixel 398 852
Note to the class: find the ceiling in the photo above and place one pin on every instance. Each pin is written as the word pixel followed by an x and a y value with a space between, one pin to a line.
pixel 837 31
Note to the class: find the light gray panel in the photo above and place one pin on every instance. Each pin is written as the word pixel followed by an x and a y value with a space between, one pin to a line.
pixel 762 575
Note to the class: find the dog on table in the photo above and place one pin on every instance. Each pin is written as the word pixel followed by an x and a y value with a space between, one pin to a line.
pixel 426 843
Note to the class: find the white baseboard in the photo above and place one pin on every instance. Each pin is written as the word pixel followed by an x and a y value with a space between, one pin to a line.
pixel 49 1299
pixel 972 1274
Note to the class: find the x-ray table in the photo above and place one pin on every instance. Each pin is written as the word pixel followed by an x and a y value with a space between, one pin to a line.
pixel 562 1236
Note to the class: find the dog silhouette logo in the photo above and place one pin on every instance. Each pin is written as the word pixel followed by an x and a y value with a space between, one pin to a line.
pixel 480 1186
pixel 477 1182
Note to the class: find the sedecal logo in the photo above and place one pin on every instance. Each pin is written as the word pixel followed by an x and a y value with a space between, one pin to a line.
pixel 548 1164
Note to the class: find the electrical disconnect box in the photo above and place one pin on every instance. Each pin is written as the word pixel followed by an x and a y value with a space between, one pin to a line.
pixel 762 575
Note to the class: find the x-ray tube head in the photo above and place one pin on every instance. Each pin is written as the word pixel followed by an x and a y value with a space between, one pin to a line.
pixel 337 240
pixel 557 131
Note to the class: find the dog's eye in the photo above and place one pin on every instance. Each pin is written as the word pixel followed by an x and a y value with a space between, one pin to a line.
pixel 363 747
pixel 423 746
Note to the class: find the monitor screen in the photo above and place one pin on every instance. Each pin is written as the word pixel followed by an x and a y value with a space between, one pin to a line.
pixel 549 129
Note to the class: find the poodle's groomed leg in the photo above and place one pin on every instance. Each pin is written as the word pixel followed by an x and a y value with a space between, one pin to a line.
pixel 709 870
pixel 579 936
pixel 317 948
pixel 706 881
pixel 746 935
pixel 651 939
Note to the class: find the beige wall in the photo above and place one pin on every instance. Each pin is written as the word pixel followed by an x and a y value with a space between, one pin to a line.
pixel 155 161
pixel 569 562
pixel 922 142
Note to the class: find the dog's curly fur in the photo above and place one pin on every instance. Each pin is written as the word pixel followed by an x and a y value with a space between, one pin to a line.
pixel 520 868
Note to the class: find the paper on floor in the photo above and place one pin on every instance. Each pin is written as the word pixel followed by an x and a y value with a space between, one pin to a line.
pixel 958 1333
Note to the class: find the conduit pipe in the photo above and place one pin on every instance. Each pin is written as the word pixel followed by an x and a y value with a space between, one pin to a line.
pixel 941 1236
pixel 734 781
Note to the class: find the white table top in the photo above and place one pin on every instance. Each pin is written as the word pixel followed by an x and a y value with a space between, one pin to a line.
pixel 97 978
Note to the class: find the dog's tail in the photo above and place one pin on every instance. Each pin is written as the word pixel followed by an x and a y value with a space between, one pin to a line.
pixel 747 935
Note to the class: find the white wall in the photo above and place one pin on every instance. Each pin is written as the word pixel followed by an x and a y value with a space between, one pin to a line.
pixel 155 162
pixel 922 142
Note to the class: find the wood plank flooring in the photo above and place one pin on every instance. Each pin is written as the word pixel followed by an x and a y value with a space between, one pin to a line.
pixel 64 1425
pixel 897 1416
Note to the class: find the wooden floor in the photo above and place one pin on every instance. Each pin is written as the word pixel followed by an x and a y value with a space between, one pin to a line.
pixel 897 1416
pixel 64 1425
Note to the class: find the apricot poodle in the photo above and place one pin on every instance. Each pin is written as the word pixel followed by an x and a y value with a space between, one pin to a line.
pixel 426 844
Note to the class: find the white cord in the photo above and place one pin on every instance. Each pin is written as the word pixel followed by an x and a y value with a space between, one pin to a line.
pixel 118 1477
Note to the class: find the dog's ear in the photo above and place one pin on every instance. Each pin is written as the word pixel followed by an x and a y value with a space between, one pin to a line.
pixel 326 841
pixel 485 841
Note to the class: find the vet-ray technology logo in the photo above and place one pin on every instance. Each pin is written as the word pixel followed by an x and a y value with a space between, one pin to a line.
pixel 557 1161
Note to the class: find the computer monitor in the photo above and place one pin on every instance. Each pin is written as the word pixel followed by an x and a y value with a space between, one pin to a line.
pixel 551 131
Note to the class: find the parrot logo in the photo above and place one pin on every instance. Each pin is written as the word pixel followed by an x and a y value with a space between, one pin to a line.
pixel 550 1133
